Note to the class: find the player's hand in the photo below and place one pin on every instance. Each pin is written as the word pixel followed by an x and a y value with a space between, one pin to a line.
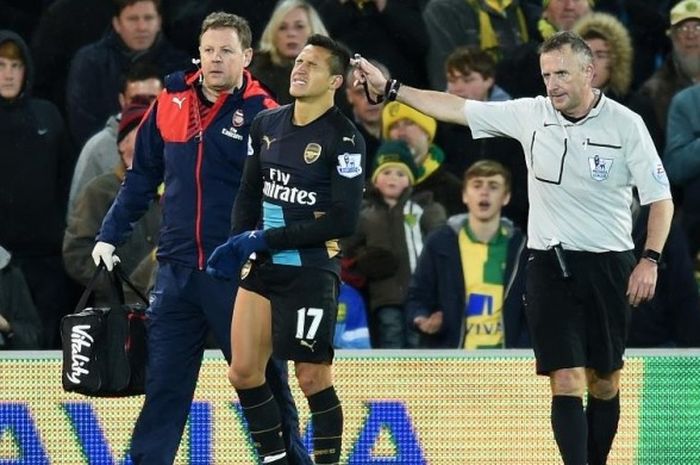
pixel 366 72
pixel 431 324
pixel 642 282
pixel 104 252
pixel 228 258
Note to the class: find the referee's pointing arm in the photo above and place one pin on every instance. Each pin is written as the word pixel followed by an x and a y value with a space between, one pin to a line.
pixel 439 105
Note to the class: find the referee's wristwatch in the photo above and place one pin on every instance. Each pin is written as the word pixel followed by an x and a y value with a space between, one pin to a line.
pixel 652 255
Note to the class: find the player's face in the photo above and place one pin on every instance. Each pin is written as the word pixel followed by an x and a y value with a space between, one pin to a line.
pixel 567 79
pixel 292 33
pixel 138 25
pixel 601 62
pixel 485 196
pixel 392 181
pixel 11 77
pixel 471 86
pixel 223 59
pixel 311 76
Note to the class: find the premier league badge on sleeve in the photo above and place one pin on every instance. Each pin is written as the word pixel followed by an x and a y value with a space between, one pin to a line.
pixel 659 174
pixel 350 165
pixel 600 167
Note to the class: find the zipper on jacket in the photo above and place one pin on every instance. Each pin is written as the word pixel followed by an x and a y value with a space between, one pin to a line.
pixel 199 140
pixel 198 216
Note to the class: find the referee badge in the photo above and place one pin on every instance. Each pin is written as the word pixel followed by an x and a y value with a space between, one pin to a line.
pixel 312 152
pixel 600 167
pixel 659 174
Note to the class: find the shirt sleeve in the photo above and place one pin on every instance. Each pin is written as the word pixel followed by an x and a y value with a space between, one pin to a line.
pixel 648 173
pixel 247 206
pixel 512 118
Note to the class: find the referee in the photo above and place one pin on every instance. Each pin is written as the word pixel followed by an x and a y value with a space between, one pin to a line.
pixel 584 153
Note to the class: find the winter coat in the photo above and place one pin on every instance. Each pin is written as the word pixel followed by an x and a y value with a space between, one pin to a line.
pixel 438 284
pixel 36 164
pixel 389 241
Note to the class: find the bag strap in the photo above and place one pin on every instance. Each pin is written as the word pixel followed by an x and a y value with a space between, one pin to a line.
pixel 115 278
pixel 121 276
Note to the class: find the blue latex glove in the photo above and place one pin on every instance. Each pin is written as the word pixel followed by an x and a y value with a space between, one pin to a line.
pixel 229 257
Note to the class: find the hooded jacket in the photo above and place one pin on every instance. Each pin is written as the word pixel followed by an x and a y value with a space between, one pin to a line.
pixel 36 164
pixel 94 80
pixel 618 39
pixel 438 284
pixel 200 161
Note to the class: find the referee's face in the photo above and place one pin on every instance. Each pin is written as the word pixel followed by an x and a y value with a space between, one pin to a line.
pixel 567 80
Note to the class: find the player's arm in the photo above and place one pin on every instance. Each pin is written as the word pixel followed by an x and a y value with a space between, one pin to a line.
pixel 439 105
pixel 247 206
pixel 346 197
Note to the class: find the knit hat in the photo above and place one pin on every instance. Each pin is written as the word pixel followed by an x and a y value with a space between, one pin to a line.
pixel 687 9
pixel 395 111
pixel 395 153
pixel 131 117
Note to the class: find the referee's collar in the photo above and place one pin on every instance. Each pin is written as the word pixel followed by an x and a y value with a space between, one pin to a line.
pixel 554 117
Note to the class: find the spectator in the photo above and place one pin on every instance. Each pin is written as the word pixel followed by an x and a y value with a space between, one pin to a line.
pixel 20 325
pixel 612 50
pixel 680 70
pixel 519 73
pixel 92 204
pixel 471 74
pixel 467 291
pixel 682 159
pixel 494 27
pixel 292 22
pixel 366 116
pixel 65 27
pixel 389 239
pixel 36 162
pixel 401 122
pixel 100 154
pixel 96 71
pixel 672 317
pixel 389 31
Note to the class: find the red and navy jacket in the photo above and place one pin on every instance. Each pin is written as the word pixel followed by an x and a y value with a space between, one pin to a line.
pixel 199 158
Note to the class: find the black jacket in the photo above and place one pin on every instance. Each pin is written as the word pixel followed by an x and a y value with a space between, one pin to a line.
pixel 36 165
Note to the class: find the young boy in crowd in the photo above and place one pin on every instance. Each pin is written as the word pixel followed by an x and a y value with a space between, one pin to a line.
pixel 389 239
pixel 467 289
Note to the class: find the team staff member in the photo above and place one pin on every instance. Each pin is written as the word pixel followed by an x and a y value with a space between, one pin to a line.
pixel 306 171
pixel 584 152
pixel 195 140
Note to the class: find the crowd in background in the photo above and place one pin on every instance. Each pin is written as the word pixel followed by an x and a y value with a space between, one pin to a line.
pixel 75 83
